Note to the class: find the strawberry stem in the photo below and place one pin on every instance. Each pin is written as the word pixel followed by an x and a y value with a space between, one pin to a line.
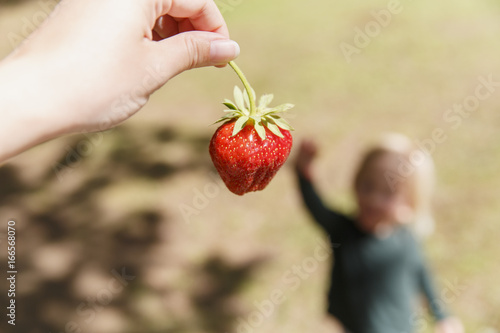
pixel 248 88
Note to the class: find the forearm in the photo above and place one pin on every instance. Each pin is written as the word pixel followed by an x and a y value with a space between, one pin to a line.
pixel 25 102
pixel 429 291
pixel 307 191
pixel 311 199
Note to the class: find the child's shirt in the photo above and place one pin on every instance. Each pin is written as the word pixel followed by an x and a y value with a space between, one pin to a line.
pixel 375 281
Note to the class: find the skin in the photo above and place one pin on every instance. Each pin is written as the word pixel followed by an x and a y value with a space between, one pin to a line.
pixel 380 208
pixel 94 63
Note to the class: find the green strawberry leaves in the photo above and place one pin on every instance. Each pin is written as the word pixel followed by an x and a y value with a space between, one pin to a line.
pixel 264 116
pixel 240 124
pixel 245 111
pixel 280 122
pixel 238 98
pixel 273 128
pixel 230 104
pixel 261 131
pixel 265 100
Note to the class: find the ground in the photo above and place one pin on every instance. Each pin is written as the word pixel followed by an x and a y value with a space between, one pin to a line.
pixel 131 230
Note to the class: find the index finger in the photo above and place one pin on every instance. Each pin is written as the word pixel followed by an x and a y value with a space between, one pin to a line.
pixel 204 15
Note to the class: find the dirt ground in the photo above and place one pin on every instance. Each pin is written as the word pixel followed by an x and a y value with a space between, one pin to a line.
pixel 131 230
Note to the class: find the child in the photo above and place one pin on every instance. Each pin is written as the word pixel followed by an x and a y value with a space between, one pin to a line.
pixel 378 268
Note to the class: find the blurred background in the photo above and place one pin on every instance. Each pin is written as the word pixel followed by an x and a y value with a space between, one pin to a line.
pixel 131 230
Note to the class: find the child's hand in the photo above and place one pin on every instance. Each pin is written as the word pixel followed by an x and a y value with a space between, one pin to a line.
pixel 308 151
pixel 449 325
pixel 94 63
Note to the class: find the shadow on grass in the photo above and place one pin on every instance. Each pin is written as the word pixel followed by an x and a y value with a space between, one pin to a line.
pixel 77 259
pixel 14 2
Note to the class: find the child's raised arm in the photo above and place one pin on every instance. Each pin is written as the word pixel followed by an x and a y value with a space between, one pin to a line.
pixel 327 218
pixel 308 150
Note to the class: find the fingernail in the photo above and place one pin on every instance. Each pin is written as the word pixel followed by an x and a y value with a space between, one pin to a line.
pixel 223 51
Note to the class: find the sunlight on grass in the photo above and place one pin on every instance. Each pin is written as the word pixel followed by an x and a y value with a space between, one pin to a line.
pixel 427 59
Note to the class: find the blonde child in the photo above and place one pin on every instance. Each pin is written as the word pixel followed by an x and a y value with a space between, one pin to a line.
pixel 378 269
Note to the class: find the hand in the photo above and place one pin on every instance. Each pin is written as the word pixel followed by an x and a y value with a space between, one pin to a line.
pixel 308 151
pixel 449 325
pixel 94 63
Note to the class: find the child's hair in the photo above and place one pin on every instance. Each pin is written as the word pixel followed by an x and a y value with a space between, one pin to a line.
pixel 415 168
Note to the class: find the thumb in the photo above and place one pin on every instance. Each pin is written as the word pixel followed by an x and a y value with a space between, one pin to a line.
pixel 195 49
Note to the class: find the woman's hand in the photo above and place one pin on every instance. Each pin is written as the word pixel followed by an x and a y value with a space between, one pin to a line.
pixel 94 63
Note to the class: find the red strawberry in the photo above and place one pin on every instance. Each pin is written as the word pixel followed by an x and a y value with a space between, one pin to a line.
pixel 245 162
pixel 254 142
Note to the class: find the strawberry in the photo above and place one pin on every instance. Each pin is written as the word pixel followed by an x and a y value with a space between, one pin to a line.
pixel 253 143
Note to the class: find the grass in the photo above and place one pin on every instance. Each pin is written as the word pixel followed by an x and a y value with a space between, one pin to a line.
pixel 235 250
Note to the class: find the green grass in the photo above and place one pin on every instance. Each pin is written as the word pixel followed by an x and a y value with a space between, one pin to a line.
pixel 426 60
